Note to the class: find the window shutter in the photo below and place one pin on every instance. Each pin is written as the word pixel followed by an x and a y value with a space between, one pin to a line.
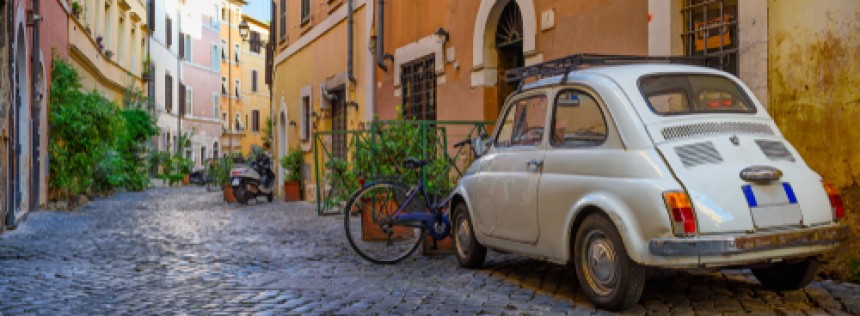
pixel 168 32
pixel 182 45
pixel 254 80
pixel 182 97
pixel 168 93
pixel 150 15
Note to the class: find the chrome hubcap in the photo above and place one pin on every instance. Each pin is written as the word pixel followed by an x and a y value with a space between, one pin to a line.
pixel 464 236
pixel 600 263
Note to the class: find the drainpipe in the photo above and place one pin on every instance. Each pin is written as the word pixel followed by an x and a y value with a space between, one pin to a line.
pixel 380 38
pixel 369 68
pixel 349 31
pixel 35 108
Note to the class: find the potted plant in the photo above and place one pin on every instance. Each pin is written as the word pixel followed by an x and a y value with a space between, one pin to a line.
pixel 292 164
pixel 185 165
pixel 221 176
pixel 76 9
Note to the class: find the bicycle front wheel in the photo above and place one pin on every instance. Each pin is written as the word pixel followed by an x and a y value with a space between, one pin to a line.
pixel 372 228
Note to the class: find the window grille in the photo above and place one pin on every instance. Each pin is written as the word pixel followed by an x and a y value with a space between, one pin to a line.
pixel 418 85
pixel 711 30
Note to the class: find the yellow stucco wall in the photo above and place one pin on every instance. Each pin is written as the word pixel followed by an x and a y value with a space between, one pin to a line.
pixel 814 75
pixel 319 60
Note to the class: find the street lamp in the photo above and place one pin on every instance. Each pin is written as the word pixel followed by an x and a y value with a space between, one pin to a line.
pixel 243 29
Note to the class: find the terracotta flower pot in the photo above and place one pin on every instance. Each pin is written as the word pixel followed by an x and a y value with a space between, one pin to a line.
pixel 228 194
pixel 370 230
pixel 186 180
pixel 292 191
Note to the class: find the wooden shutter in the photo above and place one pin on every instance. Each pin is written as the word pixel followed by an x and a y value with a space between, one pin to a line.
pixel 181 98
pixel 168 93
pixel 254 80
pixel 182 46
pixel 168 32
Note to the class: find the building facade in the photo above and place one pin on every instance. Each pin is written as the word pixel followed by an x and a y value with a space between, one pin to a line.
pixel 200 90
pixel 165 69
pixel 254 94
pixel 29 44
pixel 234 126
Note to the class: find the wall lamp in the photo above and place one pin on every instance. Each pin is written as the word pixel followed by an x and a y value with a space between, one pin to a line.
pixel 443 34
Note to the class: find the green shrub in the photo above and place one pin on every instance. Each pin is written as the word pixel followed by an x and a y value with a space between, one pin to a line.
pixel 292 164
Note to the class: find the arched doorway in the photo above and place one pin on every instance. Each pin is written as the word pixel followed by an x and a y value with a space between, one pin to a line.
pixel 509 48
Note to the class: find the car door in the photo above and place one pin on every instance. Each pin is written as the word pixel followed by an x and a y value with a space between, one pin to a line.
pixel 509 181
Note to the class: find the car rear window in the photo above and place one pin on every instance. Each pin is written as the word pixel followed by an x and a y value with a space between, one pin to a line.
pixel 673 94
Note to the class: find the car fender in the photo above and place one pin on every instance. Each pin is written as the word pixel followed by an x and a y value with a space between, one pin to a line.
pixel 618 212
pixel 459 195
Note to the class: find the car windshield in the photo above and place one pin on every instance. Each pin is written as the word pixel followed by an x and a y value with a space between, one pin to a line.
pixel 672 94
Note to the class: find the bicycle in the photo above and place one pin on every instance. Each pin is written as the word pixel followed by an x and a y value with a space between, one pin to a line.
pixel 385 223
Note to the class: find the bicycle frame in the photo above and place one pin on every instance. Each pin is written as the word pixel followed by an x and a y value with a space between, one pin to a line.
pixel 428 220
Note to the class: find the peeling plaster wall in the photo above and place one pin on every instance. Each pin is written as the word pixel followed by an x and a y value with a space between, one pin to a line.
pixel 753 45
pixel 813 77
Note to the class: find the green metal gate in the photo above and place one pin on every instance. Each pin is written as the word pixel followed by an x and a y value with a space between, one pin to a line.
pixel 376 153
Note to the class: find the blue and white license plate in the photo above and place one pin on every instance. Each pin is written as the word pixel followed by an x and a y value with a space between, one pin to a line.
pixel 773 205
pixel 236 181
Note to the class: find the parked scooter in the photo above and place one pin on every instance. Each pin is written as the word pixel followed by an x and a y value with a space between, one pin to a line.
pixel 253 180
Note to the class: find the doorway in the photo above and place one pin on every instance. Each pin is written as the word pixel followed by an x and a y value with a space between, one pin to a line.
pixel 509 47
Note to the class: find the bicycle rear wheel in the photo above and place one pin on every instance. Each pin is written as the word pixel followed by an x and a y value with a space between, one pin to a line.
pixel 371 228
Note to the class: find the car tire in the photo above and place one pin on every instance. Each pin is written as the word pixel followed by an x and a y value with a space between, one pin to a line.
pixel 787 276
pixel 610 280
pixel 470 253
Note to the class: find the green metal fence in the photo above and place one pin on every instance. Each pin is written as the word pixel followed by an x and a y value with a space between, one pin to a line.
pixel 376 153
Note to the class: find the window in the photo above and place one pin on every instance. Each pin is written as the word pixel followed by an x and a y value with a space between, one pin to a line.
pixel 107 27
pixel 686 94
pixel 224 86
pixel 213 20
pixel 216 63
pixel 168 93
pixel 255 42
pixel 168 32
pixel 283 24
pixel 711 30
pixel 524 123
pixel 189 101
pixel 577 121
pixel 306 118
pixel 254 80
pixel 224 51
pixel 223 14
pixel 216 105
pixel 306 11
pixel 236 87
pixel 236 51
pixel 255 121
pixel 120 47
pixel 237 125
pixel 186 46
pixel 224 121
pixel 418 84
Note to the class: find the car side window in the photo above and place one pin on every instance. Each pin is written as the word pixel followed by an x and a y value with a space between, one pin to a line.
pixel 524 123
pixel 577 121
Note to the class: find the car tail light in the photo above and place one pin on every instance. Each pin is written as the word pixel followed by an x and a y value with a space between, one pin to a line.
pixel 835 201
pixel 681 211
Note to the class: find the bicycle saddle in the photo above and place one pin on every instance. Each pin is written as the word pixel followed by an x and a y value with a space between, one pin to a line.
pixel 413 163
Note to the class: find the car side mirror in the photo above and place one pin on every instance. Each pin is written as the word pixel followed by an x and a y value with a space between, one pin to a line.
pixel 481 144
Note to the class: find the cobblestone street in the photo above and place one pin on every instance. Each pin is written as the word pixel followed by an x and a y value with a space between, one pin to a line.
pixel 168 251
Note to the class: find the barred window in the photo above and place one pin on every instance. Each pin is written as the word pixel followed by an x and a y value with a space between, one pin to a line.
pixel 711 30
pixel 418 84
pixel 283 24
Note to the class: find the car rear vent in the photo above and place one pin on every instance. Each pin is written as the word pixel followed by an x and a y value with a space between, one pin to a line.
pixel 774 150
pixel 691 130
pixel 698 154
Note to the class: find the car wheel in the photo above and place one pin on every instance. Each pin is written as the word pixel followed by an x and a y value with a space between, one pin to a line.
pixel 470 253
pixel 606 274
pixel 787 276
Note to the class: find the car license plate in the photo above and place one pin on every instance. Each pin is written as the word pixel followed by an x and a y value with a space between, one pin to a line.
pixel 235 181
pixel 773 205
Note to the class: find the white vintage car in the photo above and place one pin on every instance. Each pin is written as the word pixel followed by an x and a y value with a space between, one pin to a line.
pixel 616 169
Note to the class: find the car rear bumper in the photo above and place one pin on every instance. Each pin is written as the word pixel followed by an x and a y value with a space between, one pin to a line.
pixel 738 244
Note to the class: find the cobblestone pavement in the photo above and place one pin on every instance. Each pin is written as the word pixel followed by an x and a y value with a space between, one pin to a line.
pixel 169 251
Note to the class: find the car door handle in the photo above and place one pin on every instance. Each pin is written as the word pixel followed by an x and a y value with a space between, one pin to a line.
pixel 535 162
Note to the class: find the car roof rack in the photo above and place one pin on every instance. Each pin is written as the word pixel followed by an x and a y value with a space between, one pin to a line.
pixel 563 66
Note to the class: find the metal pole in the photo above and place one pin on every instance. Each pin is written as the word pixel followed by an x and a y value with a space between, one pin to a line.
pixel 229 80
pixel 179 107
